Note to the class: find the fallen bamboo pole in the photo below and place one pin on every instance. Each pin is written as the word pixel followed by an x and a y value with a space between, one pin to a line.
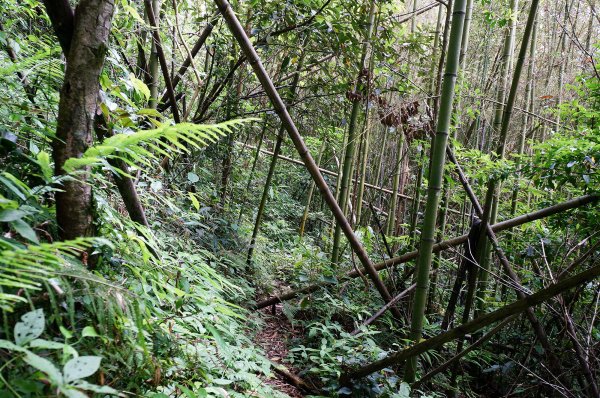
pixel 554 363
pixel 476 324
pixel 501 226
pixel 464 352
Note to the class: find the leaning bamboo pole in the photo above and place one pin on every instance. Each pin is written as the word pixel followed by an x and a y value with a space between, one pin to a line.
pixel 281 110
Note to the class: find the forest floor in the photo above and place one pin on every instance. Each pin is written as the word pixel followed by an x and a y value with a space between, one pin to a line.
pixel 272 338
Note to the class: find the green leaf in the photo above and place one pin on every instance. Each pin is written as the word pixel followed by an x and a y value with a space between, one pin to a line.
pixel 222 382
pixel 89 331
pixel 43 160
pixel 142 146
pixel 220 342
pixel 72 393
pixel 65 332
pixel 156 186
pixel 45 366
pixel 31 327
pixel 7 345
pixel 78 368
pixel 11 215
pixel 404 391
pixel 201 393
pixel 140 86
pixel 84 385
pixel 194 201
pixel 149 112
pixel 46 344
pixel 25 230
pixel 9 181
pixel 193 177
pixel 133 12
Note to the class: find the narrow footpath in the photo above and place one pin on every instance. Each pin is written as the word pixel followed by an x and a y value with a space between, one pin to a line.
pixel 272 338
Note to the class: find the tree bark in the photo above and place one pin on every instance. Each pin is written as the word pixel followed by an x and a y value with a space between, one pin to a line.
pixel 61 16
pixel 77 108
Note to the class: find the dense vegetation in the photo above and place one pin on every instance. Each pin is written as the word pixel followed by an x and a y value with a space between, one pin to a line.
pixel 299 198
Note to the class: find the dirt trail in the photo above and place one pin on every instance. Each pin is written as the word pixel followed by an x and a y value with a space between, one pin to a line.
pixel 272 338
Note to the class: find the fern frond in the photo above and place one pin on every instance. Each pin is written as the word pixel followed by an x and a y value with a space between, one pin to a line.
pixel 27 267
pixel 165 139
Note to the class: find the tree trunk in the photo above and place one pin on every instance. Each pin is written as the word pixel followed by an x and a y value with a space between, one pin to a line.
pixel 61 17
pixel 77 108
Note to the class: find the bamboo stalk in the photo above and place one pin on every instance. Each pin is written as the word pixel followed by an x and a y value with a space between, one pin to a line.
pixel 436 174
pixel 273 164
pixel 348 164
pixel 490 213
pixel 391 221
pixel 311 190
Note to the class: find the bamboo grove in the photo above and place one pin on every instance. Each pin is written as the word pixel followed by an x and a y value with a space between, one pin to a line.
pixel 300 198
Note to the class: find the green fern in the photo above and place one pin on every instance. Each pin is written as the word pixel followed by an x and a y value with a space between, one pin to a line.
pixel 28 267
pixel 143 146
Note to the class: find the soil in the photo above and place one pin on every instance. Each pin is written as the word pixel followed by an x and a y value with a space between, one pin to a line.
pixel 272 338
